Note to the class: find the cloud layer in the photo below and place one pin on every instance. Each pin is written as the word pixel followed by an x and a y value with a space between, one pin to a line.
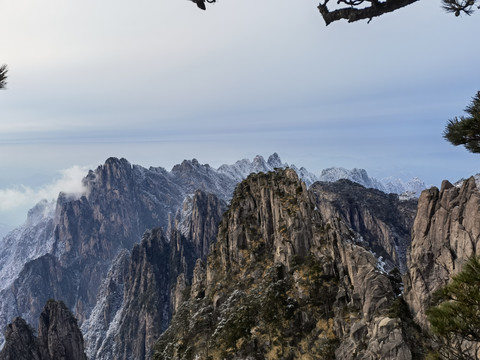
pixel 25 197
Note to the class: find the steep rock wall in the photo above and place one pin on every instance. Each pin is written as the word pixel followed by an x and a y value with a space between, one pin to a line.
pixel 445 234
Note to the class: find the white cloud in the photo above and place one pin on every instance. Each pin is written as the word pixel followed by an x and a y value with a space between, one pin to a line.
pixel 70 181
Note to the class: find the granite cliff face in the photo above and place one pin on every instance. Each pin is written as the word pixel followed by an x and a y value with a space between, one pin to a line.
pixel 33 239
pixel 446 233
pixel 286 280
pixel 59 337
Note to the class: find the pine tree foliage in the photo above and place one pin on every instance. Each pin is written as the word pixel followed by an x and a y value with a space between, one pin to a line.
pixel 465 130
pixel 455 316
pixel 3 76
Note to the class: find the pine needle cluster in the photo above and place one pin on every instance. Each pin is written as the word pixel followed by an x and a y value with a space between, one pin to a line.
pixel 465 130
pixel 455 316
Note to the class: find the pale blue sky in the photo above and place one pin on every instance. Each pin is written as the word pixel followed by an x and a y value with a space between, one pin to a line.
pixel 157 81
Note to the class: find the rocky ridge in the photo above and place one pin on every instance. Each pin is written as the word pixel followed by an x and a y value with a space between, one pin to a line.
pixel 408 190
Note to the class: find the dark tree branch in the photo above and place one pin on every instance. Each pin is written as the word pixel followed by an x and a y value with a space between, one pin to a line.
pixel 352 14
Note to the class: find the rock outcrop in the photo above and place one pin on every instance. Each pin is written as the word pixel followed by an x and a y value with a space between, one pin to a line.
pixel 59 337
pixel 446 233
pixel 284 281
pixel 20 342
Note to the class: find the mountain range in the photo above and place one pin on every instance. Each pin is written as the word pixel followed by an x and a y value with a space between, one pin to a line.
pixel 165 264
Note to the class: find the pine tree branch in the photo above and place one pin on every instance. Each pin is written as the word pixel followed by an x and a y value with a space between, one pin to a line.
pixel 352 14
pixel 3 76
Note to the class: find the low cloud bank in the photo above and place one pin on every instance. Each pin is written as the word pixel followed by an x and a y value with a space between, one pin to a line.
pixel 70 182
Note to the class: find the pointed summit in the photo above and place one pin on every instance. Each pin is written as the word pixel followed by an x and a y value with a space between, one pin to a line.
pixel 274 161
pixel 259 164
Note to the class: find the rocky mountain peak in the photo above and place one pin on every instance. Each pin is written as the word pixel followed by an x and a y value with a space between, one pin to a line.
pixel 114 175
pixel 269 206
pixel 274 161
pixel 277 232
pixel 201 225
pixel 58 333
pixel 20 342
pixel 186 165
pixel 146 297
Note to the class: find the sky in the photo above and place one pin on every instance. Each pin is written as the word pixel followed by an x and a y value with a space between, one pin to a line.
pixel 159 81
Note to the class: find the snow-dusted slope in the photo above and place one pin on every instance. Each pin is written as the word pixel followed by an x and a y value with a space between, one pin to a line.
pixel 359 176
pixel 409 189
pixel 27 242
pixel 242 168
pixel 460 182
